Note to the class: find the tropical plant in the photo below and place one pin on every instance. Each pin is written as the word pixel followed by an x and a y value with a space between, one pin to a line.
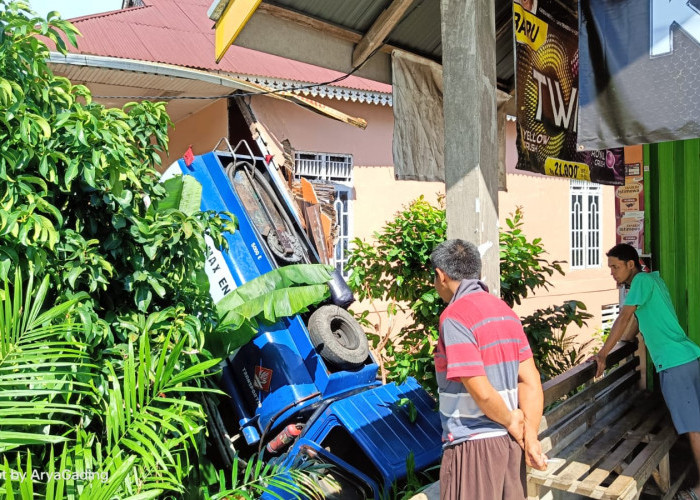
pixel 300 480
pixel 395 269
pixel 279 293
pixel 523 269
pixel 45 372
pixel 555 350
pixel 100 391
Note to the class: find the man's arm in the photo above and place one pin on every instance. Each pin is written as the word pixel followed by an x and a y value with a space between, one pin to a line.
pixel 632 329
pixel 531 402
pixel 620 326
pixel 493 406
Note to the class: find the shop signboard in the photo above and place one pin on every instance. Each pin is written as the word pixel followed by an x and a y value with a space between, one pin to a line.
pixel 547 72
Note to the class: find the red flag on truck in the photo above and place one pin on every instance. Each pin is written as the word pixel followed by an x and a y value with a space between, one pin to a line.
pixel 188 156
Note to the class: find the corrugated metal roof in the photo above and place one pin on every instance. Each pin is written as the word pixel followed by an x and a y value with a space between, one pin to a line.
pixel 418 31
pixel 179 32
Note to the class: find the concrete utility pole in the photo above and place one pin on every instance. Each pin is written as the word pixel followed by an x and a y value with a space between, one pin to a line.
pixel 471 145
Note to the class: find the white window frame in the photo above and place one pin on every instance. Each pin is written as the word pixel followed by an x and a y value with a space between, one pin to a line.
pixel 585 227
pixel 342 248
pixel 334 169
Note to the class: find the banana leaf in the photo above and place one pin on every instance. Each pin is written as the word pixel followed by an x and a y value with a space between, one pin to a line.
pixel 184 194
pixel 280 293
pixel 277 279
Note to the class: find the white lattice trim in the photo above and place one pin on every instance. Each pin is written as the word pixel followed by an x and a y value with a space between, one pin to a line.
pixel 328 91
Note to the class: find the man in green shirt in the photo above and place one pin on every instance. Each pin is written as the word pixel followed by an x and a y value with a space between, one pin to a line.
pixel 674 355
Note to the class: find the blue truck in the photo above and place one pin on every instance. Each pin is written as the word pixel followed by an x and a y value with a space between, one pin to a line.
pixel 305 387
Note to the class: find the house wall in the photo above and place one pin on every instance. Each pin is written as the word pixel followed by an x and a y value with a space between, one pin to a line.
pixel 545 202
pixel 377 195
pixel 202 130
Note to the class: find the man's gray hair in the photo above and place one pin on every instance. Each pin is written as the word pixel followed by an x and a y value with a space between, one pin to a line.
pixel 459 259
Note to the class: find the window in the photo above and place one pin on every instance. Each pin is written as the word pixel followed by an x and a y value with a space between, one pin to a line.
pixel 334 170
pixel 585 224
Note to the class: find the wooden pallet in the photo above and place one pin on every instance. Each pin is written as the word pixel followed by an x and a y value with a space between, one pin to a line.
pixel 611 438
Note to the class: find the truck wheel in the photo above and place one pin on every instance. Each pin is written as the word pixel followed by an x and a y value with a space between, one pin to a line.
pixel 338 337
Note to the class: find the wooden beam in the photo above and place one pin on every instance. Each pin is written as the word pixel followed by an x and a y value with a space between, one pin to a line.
pixel 382 26
pixel 316 24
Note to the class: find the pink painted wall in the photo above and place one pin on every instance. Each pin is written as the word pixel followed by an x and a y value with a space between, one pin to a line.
pixel 308 131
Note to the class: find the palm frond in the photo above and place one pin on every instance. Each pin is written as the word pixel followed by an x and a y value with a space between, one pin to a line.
pixel 148 419
pixel 44 372
pixel 299 479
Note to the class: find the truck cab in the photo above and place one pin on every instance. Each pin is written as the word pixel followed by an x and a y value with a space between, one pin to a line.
pixel 295 394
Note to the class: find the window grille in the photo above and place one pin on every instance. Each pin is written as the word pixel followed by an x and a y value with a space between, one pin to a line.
pixel 586 229
pixel 343 218
pixel 336 170
pixel 323 166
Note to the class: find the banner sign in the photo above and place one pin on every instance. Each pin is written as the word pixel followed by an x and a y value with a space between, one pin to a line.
pixel 546 32
pixel 640 72
pixel 629 208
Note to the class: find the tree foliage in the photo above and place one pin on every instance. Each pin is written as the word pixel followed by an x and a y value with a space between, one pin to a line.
pixel 523 269
pixel 102 365
pixel 395 270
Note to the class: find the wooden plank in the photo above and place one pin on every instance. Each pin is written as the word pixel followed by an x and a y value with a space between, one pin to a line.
pixel 614 459
pixel 577 445
pixel 574 449
pixel 633 477
pixel 583 398
pixel 601 444
pixel 313 222
pixel 662 476
pixel 611 402
pixel 308 192
pixel 563 384
pixel 685 469
pixel 597 448
pixel 316 25
pixel 379 31
pixel 326 225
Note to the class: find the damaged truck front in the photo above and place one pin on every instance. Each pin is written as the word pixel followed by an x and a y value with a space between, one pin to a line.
pixel 306 387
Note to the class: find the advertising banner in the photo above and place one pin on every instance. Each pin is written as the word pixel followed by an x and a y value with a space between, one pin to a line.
pixel 547 73
pixel 640 72
pixel 629 208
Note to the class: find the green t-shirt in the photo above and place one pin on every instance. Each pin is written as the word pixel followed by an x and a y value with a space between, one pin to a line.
pixel 668 344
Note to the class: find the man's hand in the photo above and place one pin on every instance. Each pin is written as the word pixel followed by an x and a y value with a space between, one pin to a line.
pixel 600 363
pixel 516 427
pixel 533 454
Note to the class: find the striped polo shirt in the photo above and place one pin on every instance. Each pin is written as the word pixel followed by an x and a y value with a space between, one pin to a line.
pixel 479 335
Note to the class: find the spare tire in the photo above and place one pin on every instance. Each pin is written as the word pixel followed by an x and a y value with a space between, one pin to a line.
pixel 338 337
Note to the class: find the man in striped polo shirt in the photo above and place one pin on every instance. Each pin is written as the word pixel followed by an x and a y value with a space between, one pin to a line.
pixel 490 391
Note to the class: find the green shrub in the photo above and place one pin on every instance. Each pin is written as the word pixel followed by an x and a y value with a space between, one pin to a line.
pixel 395 270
